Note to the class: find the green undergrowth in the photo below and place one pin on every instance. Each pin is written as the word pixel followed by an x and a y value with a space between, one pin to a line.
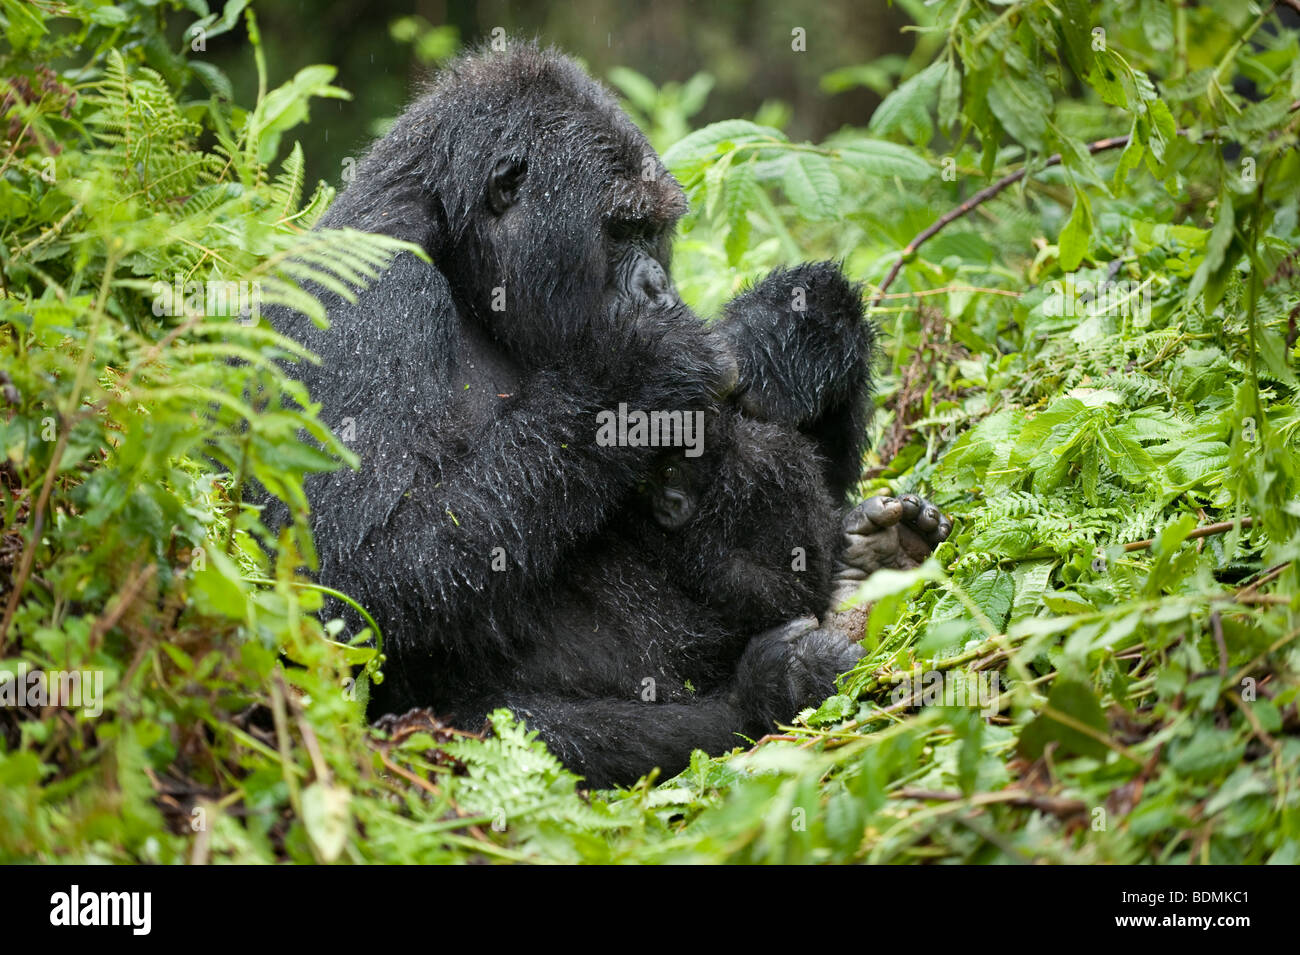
pixel 1093 371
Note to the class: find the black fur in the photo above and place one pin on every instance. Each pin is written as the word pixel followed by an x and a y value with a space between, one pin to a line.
pixel 476 430
pixel 671 640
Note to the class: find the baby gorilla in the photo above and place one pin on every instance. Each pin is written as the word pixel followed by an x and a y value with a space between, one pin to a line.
pixel 747 527
pixel 737 566
pixel 685 606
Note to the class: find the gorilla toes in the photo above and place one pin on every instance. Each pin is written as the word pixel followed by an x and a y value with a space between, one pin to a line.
pixel 887 532
pixel 926 519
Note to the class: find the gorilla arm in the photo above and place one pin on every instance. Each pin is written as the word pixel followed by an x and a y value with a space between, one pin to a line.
pixel 804 353
pixel 416 530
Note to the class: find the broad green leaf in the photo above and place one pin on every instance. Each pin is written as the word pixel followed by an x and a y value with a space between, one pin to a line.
pixel 1023 105
pixel 1077 701
pixel 907 108
pixel 881 159
pixel 812 185
pixel 1077 234
pixel 718 137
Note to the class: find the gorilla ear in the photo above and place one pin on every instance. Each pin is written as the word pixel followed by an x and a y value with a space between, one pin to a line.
pixel 503 183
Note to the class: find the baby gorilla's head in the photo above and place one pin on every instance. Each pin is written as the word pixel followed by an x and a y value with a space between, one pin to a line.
pixel 679 485
pixel 672 491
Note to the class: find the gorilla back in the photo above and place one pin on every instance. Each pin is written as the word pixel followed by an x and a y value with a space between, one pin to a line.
pixel 471 387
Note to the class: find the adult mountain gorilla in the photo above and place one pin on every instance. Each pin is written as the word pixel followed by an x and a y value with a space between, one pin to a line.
pixel 472 387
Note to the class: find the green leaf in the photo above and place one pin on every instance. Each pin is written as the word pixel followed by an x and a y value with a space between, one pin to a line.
pixel 718 137
pixel 1126 457
pixel 1157 24
pixel 740 196
pixel 950 96
pixel 1076 26
pixel 882 159
pixel 327 817
pixel 1216 248
pixel 907 108
pixel 812 185
pixel 1023 106
pixel 640 92
pixel 1075 700
pixel 1077 234
pixel 1208 753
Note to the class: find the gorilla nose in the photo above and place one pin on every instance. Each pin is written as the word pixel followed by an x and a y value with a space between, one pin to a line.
pixel 651 284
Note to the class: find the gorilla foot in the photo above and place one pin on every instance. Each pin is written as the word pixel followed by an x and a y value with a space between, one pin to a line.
pixel 791 667
pixel 894 533
pixel 887 532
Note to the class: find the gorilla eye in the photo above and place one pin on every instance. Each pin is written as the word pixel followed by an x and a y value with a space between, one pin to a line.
pixel 630 230
pixel 668 474
pixel 504 181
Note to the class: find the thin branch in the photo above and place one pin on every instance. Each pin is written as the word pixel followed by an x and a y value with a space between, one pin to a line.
pixel 953 288
pixel 981 197
pixel 1219 528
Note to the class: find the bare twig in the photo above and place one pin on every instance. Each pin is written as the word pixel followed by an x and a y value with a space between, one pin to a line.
pixel 981 197
pixel 1219 528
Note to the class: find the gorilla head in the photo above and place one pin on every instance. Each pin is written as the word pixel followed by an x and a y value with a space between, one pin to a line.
pixel 514 160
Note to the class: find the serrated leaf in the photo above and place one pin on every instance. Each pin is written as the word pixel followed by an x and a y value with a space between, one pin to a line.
pixel 907 108
pixel 1216 248
pixel 1077 234
pixel 1126 457
pixel 738 200
pixel 707 142
pixel 812 185
pixel 882 159
pixel 950 96
pixel 1075 700
pixel 1022 105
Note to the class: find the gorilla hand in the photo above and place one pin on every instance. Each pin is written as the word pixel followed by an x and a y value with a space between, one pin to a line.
pixel 667 357
pixel 784 366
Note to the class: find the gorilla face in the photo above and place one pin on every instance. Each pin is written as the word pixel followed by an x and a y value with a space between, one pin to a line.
pixel 543 205
pixel 602 220
pixel 672 494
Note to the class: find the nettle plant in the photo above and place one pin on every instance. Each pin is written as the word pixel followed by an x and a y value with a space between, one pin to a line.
pixel 1077 224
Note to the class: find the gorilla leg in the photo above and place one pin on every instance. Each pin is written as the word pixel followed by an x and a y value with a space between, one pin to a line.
pixel 616 740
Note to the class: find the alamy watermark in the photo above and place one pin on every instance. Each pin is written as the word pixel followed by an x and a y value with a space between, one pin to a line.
pixel 979 690
pixel 132 910
pixel 213 299
pixel 1080 298
pixel 74 689
pixel 651 429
